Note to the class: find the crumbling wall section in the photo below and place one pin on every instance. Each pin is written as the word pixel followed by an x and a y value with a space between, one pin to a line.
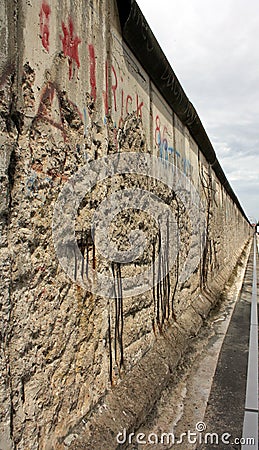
pixel 71 93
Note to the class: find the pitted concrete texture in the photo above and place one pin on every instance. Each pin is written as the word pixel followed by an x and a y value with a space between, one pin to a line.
pixel 127 407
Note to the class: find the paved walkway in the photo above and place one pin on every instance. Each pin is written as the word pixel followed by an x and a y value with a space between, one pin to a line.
pixel 250 427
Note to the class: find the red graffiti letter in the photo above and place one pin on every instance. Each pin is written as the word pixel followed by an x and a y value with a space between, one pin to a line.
pixel 139 107
pixel 114 87
pixel 158 132
pixel 44 24
pixel 92 71
pixel 70 45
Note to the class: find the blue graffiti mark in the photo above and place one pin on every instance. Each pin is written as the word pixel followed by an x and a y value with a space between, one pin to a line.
pixel 165 151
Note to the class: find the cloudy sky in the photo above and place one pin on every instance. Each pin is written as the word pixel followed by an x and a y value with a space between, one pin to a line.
pixel 213 48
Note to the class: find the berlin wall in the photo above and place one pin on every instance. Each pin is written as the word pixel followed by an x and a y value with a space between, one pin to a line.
pixel 91 330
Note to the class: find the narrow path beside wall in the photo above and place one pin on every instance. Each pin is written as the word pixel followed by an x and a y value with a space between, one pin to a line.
pixel 209 391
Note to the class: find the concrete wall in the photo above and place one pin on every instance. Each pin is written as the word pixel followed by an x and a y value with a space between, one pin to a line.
pixel 71 92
